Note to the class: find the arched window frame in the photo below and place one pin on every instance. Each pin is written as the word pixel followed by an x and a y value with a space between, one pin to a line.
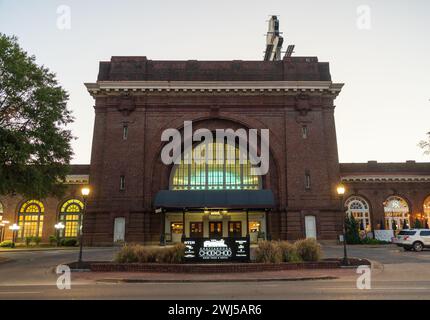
pixel 398 213
pixel 202 173
pixel 30 219
pixel 358 207
pixel 71 216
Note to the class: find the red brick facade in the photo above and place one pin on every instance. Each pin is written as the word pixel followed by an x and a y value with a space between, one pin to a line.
pixel 293 98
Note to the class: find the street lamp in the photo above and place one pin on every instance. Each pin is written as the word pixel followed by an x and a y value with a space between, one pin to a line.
pixel 85 191
pixel 341 191
pixel 14 229
pixel 58 227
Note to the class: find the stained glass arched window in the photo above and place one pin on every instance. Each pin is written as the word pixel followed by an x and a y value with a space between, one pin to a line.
pixel 70 215
pixel 213 174
pixel 30 219
pixel 396 212
pixel 359 209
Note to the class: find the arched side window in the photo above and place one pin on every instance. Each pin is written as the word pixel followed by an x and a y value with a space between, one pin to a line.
pixel 70 215
pixel 30 219
pixel 426 210
pixel 358 208
pixel 396 211
pixel 213 173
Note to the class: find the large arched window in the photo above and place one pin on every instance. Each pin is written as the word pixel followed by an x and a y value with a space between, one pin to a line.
pixel 358 208
pixel 228 174
pixel 70 215
pixel 30 219
pixel 426 210
pixel 396 212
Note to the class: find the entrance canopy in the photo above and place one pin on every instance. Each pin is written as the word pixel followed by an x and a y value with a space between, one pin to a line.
pixel 250 199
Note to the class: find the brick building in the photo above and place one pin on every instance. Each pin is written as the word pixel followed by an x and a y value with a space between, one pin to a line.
pixel 136 197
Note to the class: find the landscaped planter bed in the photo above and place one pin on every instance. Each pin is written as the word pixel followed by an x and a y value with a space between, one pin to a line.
pixel 220 267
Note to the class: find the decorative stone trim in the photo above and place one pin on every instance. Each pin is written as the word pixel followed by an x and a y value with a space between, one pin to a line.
pixel 77 179
pixel 386 178
pixel 120 87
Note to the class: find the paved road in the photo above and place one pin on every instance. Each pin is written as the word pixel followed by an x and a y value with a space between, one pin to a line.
pixel 400 275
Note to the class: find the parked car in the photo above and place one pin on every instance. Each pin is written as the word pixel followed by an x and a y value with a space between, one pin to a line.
pixel 416 239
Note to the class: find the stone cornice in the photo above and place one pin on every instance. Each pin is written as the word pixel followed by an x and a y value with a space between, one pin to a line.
pixel 121 87
pixel 386 178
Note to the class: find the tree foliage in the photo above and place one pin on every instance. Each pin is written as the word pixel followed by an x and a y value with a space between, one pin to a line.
pixel 352 230
pixel 35 145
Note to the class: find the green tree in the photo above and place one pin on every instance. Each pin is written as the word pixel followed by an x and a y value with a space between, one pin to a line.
pixel 35 145
pixel 352 230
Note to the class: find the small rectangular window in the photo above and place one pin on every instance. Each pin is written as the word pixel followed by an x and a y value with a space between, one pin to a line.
pixel 305 132
pixel 307 181
pixel 425 233
pixel 124 132
pixel 122 183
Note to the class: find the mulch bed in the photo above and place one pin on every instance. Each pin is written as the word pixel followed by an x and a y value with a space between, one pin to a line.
pixel 219 267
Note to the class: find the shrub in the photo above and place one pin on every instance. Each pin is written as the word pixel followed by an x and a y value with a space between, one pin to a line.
pixel 52 239
pixel 373 241
pixel 69 242
pixel 268 252
pixel 308 249
pixel 139 253
pixel 145 254
pixel 289 252
pixel 127 254
pixel 173 254
pixel 37 240
pixel 7 244
pixel 28 240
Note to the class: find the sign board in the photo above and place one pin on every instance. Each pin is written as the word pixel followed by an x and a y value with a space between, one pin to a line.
pixel 216 250
pixel 384 235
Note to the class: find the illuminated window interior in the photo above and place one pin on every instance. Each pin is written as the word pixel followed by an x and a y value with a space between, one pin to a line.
pixel 227 174
pixel 30 219
pixel 70 215
pixel 359 209
pixel 396 212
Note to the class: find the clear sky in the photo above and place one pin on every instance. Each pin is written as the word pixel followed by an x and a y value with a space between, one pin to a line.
pixel 380 51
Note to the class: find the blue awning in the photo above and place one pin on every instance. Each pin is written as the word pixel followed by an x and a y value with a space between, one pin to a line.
pixel 251 199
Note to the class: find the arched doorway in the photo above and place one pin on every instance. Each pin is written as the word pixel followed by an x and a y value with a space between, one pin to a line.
pixel 396 211
pixel 358 208
pixel 219 176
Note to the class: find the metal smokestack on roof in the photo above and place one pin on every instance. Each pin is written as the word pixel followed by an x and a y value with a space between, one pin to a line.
pixel 273 41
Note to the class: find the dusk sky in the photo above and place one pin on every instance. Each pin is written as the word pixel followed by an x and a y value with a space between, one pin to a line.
pixel 382 112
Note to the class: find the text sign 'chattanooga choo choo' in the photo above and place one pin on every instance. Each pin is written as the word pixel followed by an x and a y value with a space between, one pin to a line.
pixel 216 250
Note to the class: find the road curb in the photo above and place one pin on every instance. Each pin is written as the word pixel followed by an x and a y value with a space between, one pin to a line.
pixel 212 280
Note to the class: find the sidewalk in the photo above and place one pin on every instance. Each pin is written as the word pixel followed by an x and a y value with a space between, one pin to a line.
pixel 26 249
pixel 140 277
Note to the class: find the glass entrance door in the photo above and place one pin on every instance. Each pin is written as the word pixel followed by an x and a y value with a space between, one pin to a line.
pixel 196 229
pixel 235 229
pixel 215 229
